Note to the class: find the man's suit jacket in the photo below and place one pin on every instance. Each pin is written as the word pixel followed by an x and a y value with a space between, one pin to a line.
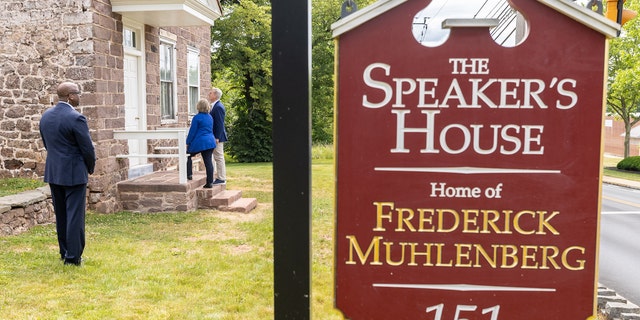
pixel 70 153
pixel 218 113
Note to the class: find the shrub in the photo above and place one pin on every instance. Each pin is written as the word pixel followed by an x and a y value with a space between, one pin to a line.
pixel 250 138
pixel 629 163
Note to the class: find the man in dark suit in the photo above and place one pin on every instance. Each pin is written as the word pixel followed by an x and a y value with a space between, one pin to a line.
pixel 218 113
pixel 70 160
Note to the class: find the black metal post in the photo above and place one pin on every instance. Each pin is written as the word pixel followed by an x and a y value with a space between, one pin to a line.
pixel 291 57
pixel 620 8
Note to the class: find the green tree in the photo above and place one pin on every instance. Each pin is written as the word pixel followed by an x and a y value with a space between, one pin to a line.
pixel 241 67
pixel 324 13
pixel 623 95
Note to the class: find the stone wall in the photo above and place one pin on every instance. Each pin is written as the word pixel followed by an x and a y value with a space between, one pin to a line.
pixel 46 42
pixel 20 212
pixel 32 57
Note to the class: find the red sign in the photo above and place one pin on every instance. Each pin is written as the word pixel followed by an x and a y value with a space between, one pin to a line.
pixel 468 174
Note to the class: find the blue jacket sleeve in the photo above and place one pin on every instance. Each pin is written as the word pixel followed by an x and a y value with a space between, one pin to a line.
pixel 83 139
pixel 193 129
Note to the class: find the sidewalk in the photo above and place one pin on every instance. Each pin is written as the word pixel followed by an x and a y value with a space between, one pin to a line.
pixel 621 182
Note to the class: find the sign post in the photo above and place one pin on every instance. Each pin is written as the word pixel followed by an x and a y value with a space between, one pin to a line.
pixel 291 159
pixel 468 175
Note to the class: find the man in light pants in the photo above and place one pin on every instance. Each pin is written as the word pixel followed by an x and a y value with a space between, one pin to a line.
pixel 218 113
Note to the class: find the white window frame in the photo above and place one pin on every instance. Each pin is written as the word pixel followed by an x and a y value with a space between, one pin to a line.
pixel 135 41
pixel 172 115
pixel 193 61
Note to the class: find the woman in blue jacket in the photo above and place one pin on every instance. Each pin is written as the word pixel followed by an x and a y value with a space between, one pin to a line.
pixel 201 140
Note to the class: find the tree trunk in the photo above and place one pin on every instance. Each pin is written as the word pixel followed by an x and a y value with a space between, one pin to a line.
pixel 627 136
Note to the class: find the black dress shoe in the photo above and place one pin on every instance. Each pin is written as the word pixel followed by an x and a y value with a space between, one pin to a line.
pixel 73 262
pixel 208 186
pixel 189 177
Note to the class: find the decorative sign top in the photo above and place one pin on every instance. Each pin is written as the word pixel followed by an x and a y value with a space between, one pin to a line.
pixel 468 174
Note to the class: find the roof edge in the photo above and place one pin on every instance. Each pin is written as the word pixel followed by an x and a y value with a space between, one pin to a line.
pixel 359 17
pixel 584 16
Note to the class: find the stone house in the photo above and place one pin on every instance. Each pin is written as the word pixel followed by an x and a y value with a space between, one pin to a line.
pixel 140 64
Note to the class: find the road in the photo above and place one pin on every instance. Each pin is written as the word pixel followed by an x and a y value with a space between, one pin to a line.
pixel 620 241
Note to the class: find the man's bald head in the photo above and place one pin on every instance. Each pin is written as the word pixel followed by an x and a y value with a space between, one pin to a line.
pixel 65 92
pixel 65 88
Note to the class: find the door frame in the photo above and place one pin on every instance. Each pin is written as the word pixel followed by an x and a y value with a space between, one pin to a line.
pixel 138 54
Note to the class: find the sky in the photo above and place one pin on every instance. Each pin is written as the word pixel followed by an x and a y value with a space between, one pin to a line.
pixel 438 10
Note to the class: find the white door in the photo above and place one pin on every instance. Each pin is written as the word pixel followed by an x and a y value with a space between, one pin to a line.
pixel 132 111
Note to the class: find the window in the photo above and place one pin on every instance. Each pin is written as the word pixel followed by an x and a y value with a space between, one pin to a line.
pixel 193 78
pixel 130 40
pixel 167 81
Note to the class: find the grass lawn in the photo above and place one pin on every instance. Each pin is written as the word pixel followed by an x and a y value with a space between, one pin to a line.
pixel 198 265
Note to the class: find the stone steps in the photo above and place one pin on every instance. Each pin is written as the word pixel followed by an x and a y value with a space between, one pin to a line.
pixel 243 205
pixel 160 191
pixel 224 200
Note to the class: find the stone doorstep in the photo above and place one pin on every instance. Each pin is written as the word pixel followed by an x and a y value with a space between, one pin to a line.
pixel 205 196
pixel 217 197
pixel 225 200
pixel 161 181
pixel 243 205
pixel 203 193
pixel 226 197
